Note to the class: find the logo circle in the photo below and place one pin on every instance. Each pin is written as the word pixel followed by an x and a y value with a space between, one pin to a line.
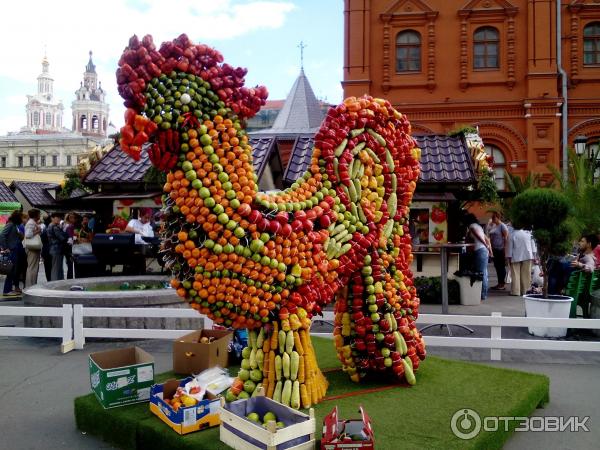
pixel 465 424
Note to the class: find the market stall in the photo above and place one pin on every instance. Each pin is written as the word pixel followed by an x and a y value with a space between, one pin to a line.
pixel 447 175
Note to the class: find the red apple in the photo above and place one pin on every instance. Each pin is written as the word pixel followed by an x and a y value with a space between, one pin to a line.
pixel 264 224
pixel 274 226
pixel 254 216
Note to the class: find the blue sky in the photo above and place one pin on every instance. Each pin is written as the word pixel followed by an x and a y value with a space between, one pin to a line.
pixel 262 36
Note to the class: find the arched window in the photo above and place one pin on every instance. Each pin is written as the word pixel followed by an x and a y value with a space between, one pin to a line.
pixel 591 44
pixel 83 122
pixel 408 51
pixel 486 46
pixel 36 118
pixel 104 124
pixel 95 123
pixel 48 119
pixel 499 165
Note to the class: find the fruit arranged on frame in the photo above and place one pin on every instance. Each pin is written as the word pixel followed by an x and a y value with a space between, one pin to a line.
pixel 255 260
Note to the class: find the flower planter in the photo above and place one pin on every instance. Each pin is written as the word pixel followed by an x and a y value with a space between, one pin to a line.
pixel 555 306
pixel 595 309
pixel 470 292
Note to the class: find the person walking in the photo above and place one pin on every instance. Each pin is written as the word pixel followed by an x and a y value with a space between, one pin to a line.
pixel 10 241
pixel 521 252
pixel 498 234
pixel 57 239
pixel 481 250
pixel 33 249
pixel 46 256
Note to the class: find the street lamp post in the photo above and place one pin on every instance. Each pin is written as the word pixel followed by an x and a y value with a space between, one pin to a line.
pixel 581 146
pixel 580 143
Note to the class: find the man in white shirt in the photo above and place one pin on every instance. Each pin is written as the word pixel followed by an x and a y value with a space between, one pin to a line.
pixel 521 251
pixel 142 227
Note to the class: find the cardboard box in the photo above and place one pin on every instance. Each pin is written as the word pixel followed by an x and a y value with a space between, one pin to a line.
pixel 203 414
pixel 338 434
pixel 122 376
pixel 192 357
pixel 240 433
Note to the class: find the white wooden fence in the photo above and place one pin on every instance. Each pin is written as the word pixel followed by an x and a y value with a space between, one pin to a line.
pixel 80 333
pixel 73 333
pixel 65 332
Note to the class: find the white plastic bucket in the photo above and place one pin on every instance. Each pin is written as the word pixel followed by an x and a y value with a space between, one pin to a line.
pixel 469 295
pixel 557 307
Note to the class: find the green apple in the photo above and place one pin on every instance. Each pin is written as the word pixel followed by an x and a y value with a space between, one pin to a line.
pixel 256 375
pixel 269 416
pixel 254 417
pixel 256 245
pixel 249 386
pixel 230 396
pixel 209 202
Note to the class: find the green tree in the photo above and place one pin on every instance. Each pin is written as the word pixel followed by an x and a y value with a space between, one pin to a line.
pixel 583 195
pixel 72 183
pixel 516 184
pixel 546 212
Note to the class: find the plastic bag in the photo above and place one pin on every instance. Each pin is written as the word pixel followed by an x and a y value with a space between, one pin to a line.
pixel 214 380
pixel 508 277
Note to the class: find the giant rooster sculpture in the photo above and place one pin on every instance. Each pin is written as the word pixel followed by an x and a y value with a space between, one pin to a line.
pixel 269 263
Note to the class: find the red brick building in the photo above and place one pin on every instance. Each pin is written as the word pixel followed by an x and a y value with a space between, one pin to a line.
pixel 488 63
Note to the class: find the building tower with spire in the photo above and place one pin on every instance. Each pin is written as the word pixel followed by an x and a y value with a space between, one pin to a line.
pixel 44 113
pixel 90 111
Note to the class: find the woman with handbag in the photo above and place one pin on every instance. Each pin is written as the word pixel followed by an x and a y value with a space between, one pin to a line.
pixel 57 239
pixel 33 246
pixel 10 241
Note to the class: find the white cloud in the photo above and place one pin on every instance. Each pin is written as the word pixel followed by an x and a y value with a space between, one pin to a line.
pixel 12 123
pixel 69 29
pixel 16 100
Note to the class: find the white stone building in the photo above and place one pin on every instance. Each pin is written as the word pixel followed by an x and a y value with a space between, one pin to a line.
pixel 56 152
pixel 44 112
pixel 90 111
pixel 44 146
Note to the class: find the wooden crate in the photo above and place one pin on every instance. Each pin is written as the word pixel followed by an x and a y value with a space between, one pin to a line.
pixel 241 434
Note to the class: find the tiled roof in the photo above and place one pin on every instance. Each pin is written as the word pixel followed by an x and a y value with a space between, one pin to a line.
pixel 301 112
pixel 36 193
pixel 6 195
pixel 262 147
pixel 118 167
pixel 299 158
pixel 445 159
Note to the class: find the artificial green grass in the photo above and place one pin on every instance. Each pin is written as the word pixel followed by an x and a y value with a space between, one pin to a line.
pixel 415 417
